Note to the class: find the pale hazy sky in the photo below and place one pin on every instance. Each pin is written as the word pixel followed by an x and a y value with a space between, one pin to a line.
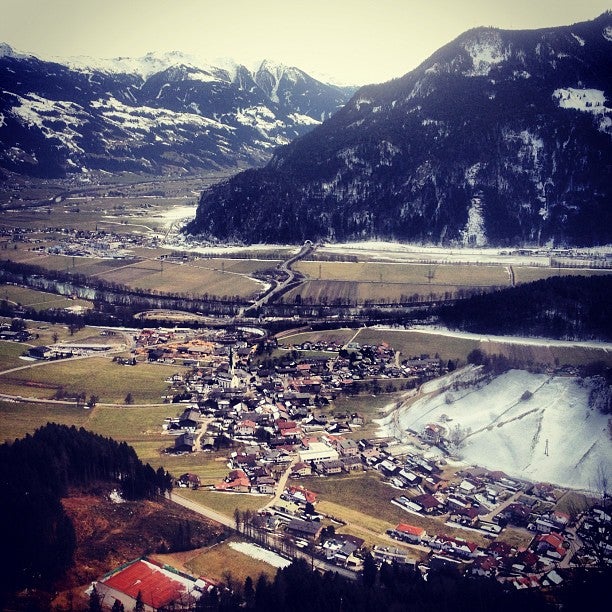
pixel 350 41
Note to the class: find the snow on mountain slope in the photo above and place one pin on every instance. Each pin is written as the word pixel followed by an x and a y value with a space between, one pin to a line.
pixel 54 118
pixel 161 113
pixel 587 101
pixel 532 426
pixel 501 137
pixel 144 66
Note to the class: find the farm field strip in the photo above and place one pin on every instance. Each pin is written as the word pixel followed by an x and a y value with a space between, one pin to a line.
pixel 39 300
pixel 340 336
pixel 153 274
pixel 19 419
pixel 454 345
pixel 10 353
pixel 215 561
pixel 525 274
pixel 97 376
pixel 354 292
pixel 406 273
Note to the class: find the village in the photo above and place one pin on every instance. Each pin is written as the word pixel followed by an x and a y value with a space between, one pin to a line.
pixel 276 419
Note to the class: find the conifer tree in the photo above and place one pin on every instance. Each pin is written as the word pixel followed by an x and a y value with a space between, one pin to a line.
pixel 139 605
pixel 95 602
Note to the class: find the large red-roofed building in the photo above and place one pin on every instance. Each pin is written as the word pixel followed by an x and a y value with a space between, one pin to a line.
pixel 157 586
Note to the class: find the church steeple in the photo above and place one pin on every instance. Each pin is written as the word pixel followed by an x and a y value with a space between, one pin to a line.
pixel 235 382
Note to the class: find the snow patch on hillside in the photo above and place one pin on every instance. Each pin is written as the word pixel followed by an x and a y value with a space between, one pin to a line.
pixel 300 119
pixel 55 118
pixel 146 118
pixel 532 426
pixel 587 101
pixel 474 233
pixel 264 121
pixel 485 50
pixel 259 553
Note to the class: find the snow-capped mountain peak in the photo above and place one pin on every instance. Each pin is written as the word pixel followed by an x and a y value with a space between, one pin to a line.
pixel 160 112
pixel 8 51
pixel 144 66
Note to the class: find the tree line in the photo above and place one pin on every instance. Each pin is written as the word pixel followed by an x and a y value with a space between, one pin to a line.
pixel 113 293
pixel 36 471
pixel 563 307
pixel 399 588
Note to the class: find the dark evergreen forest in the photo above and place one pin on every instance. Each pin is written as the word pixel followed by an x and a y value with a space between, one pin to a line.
pixel 395 588
pixel 563 307
pixel 38 538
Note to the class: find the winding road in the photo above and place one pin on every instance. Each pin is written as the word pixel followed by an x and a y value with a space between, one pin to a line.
pixel 285 267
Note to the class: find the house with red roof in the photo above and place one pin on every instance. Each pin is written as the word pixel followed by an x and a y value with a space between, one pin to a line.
pixel 300 495
pixel 428 503
pixel 455 546
pixel 524 561
pixel 288 429
pixel 410 533
pixel 189 480
pixel 245 427
pixel 500 550
pixel 551 545
pixel 158 587
pixel 486 565
pixel 434 483
pixel 236 482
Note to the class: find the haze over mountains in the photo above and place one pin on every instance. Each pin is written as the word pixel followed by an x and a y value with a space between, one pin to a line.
pixel 162 113
pixel 500 137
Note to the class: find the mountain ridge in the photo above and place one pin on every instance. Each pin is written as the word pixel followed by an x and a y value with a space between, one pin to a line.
pixel 500 137
pixel 160 114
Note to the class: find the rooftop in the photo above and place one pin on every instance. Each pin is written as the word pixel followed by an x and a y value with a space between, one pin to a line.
pixel 157 587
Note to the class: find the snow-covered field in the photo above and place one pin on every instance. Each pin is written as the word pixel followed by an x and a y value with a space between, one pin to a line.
pixel 259 553
pixel 179 213
pixel 397 251
pixel 551 435
pixel 526 340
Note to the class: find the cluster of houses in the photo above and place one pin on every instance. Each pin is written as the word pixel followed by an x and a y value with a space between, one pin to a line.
pixel 382 361
pixel 496 501
pixel 92 243
pixel 13 335
pixel 543 562
pixel 258 468
pixel 228 398
pixel 466 499
pixel 557 539
pixel 276 418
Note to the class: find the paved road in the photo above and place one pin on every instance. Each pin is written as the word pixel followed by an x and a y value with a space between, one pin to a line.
pixel 285 267
pixel 213 515
pixel 282 482
pixel 489 516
